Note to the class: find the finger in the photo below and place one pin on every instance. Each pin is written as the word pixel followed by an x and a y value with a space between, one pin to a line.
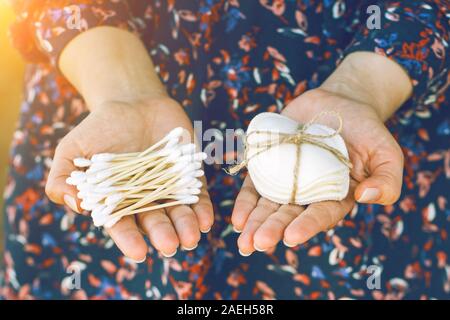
pixel 186 225
pixel 204 210
pixel 272 230
pixel 385 181
pixel 317 217
pixel 56 187
pixel 257 217
pixel 157 225
pixel 245 203
pixel 127 237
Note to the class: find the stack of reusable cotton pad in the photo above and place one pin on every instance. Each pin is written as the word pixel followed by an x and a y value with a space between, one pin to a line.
pixel 320 174
pixel 112 186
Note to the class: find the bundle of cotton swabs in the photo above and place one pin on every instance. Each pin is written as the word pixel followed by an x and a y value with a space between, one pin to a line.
pixel 112 186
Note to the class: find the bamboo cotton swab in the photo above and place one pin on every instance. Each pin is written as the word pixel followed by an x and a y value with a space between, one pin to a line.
pixel 112 186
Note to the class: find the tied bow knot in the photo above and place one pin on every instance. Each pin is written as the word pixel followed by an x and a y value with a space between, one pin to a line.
pixel 298 138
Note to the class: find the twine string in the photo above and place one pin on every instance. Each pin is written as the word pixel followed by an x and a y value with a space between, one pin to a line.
pixel 298 138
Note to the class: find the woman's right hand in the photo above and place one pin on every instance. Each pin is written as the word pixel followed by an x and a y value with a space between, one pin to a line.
pixel 119 127
pixel 365 90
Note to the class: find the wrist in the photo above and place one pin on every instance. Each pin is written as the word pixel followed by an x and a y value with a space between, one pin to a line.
pixel 372 80
pixel 146 106
pixel 135 95
pixel 355 92
pixel 146 110
pixel 110 64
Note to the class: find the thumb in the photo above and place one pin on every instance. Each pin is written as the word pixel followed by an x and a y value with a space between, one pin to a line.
pixel 384 184
pixel 56 187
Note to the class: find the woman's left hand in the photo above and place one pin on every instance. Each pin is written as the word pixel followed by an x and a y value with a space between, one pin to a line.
pixel 376 177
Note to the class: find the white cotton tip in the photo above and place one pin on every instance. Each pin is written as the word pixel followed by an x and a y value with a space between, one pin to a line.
pixel 174 155
pixel 171 144
pixel 187 192
pixel 105 190
pixel 196 184
pixel 78 174
pixel 102 175
pixel 85 187
pixel 106 183
pixel 95 167
pixel 99 220
pixel 95 178
pixel 102 157
pixel 81 162
pixel 181 191
pixel 109 209
pixel 75 181
pixel 187 158
pixel 198 173
pixel 165 152
pixel 188 148
pixel 114 199
pixel 194 191
pixel 194 157
pixel 175 133
pixel 94 198
pixel 71 181
pixel 111 222
pixel 193 183
pixel 87 205
pixel 98 211
pixel 197 165
pixel 177 167
pixel 190 200
pixel 199 156
pixel 82 194
pixel 189 169
pixel 101 214
pixel 181 196
pixel 185 181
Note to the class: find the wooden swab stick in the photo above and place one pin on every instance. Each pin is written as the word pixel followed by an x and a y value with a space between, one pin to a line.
pixel 115 185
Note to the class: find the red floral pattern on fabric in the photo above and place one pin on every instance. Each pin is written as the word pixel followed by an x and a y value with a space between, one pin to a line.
pixel 226 61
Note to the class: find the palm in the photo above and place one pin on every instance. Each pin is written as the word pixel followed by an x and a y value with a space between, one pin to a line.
pixel 375 157
pixel 118 128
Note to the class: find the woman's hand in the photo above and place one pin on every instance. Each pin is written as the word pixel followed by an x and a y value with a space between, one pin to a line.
pixel 119 127
pixel 376 176
pixel 130 110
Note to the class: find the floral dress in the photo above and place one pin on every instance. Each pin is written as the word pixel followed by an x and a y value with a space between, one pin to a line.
pixel 225 61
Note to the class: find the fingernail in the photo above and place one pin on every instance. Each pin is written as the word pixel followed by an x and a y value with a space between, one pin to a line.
pixel 136 261
pixel 206 231
pixel 244 254
pixel 369 195
pixel 288 244
pixel 169 255
pixel 258 249
pixel 189 249
pixel 236 230
pixel 71 203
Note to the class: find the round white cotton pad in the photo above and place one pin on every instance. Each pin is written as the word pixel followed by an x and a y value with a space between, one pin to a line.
pixel 320 174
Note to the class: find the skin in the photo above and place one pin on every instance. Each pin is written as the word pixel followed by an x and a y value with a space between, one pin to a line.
pixel 129 113
pixel 135 111
pixel 366 89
